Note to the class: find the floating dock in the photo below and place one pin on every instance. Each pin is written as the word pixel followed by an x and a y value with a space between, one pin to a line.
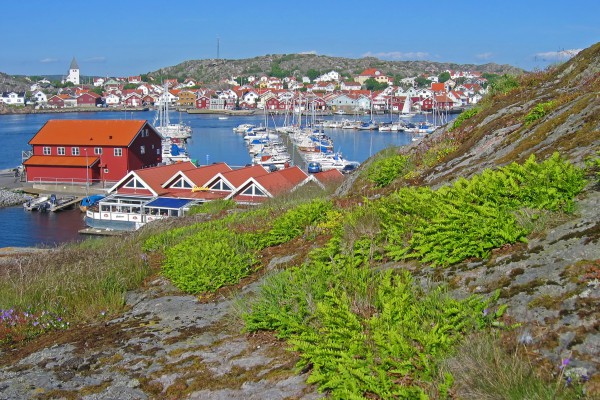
pixel 100 232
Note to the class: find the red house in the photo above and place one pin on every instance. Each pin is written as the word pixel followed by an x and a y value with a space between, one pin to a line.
pixel 88 99
pixel 79 151
pixel 203 102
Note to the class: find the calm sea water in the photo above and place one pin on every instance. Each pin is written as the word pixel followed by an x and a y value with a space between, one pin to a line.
pixel 213 140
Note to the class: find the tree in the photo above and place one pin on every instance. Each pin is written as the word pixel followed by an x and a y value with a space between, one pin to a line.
pixel 98 90
pixel 312 74
pixel 421 81
pixel 372 84
pixel 444 76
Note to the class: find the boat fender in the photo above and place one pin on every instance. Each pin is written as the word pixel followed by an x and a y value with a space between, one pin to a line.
pixel 105 215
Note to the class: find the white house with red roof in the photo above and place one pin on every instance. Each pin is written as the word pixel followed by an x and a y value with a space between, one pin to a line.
pixel 165 191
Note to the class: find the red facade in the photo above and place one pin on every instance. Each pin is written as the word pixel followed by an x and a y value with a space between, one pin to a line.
pixel 97 150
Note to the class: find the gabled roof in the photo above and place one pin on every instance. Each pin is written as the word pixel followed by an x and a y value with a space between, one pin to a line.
pixel 237 177
pixel 118 133
pixel 272 184
pixel 198 176
pixel 61 161
pixel 153 177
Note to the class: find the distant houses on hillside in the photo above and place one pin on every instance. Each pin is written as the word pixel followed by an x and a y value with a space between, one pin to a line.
pixel 328 92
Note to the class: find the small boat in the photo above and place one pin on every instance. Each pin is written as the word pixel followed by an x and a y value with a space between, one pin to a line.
pixel 223 117
pixel 89 201
pixel 36 204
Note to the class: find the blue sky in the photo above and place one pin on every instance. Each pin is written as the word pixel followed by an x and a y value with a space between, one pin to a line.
pixel 131 37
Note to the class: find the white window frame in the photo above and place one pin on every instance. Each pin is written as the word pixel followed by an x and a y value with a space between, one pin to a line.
pixel 98 151
pixel 60 151
pixel 118 152
pixel 74 151
pixel 47 150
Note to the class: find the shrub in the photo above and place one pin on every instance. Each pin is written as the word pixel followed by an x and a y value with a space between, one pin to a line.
pixel 465 115
pixel 383 171
pixel 538 112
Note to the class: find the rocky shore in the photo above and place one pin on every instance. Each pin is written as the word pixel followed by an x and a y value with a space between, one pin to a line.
pixel 12 198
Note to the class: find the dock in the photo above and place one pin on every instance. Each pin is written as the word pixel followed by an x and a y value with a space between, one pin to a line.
pixel 66 202
pixel 101 232
pixel 294 153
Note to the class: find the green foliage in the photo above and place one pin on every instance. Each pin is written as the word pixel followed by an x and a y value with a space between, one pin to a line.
pixel 471 217
pixel 384 170
pixel 277 72
pixel 294 222
pixel 373 84
pixel 465 115
pixel 444 76
pixel 503 84
pixel 363 332
pixel 214 257
pixel 538 112
pixel 212 207
pixel 421 81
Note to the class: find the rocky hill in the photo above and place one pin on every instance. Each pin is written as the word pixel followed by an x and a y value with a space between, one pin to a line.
pixel 167 344
pixel 215 70
pixel 13 83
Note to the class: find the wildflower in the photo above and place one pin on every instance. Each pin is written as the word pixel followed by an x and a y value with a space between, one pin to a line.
pixel 102 313
pixel 486 312
pixel 565 362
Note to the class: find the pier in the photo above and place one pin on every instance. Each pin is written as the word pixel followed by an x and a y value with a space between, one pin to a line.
pixel 296 156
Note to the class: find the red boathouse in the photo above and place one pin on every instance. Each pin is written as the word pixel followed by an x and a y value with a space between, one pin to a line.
pixel 77 151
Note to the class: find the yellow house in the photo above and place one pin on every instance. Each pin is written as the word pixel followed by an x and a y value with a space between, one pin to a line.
pixel 186 98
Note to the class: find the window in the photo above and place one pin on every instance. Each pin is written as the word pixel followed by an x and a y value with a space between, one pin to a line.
pixel 220 185
pixel 253 191
pixel 74 151
pixel 142 149
pixel 134 183
pixel 47 151
pixel 118 152
pixel 60 151
pixel 182 183
pixel 98 151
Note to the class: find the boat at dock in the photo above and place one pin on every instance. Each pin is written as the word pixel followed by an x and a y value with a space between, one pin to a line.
pixel 51 203
pixel 36 204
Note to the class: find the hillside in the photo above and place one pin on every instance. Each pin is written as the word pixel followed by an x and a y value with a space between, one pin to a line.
pixel 214 345
pixel 213 70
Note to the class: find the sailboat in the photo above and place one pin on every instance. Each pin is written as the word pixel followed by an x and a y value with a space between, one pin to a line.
pixel 406 108
pixel 163 124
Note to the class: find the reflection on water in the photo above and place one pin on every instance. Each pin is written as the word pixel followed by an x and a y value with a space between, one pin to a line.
pixel 213 140
pixel 21 228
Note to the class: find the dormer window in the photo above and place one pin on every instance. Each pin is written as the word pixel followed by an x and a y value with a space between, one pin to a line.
pixel 220 185
pixel 182 184
pixel 134 184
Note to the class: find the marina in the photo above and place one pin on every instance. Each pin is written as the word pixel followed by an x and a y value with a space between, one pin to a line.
pixel 213 140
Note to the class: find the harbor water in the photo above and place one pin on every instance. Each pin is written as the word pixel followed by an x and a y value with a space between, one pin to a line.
pixel 213 140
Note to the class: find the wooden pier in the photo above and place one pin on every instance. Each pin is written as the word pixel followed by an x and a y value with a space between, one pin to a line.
pixel 64 203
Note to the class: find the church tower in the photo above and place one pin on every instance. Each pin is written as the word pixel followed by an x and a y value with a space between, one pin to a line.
pixel 73 73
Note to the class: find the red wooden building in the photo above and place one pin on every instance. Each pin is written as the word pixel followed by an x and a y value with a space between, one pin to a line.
pixel 91 150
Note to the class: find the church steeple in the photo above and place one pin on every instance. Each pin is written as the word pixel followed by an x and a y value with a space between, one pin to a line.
pixel 74 64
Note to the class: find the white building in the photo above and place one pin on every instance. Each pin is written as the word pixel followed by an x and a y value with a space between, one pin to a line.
pixel 73 73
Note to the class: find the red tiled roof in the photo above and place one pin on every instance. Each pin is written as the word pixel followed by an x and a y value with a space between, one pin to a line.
pixel 118 133
pixel 156 176
pixel 238 176
pixel 329 176
pixel 61 161
pixel 201 175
